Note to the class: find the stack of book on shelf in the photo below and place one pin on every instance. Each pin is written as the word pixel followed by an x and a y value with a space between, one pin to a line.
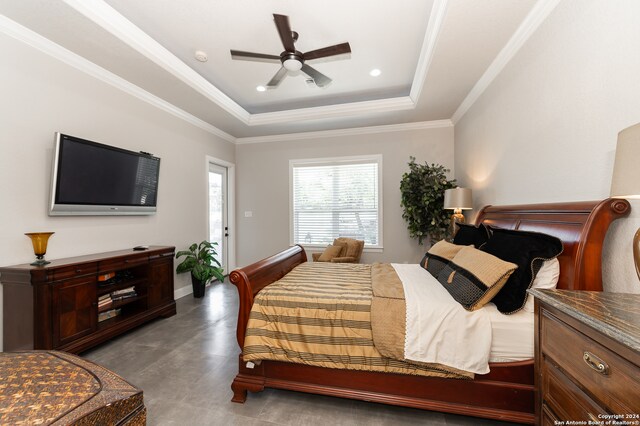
pixel 108 314
pixel 105 302
pixel 125 293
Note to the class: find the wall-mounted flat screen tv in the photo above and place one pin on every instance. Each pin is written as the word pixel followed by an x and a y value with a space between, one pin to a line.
pixel 90 178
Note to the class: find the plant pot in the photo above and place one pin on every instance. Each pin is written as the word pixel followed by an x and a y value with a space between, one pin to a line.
pixel 198 287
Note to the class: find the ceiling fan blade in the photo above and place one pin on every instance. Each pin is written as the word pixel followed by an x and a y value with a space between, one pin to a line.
pixel 337 49
pixel 250 56
pixel 320 79
pixel 277 79
pixel 284 29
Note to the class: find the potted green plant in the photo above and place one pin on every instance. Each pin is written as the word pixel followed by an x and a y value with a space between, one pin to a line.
pixel 422 190
pixel 200 260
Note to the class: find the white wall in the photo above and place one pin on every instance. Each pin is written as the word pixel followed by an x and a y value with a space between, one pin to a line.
pixel 40 96
pixel 546 128
pixel 263 187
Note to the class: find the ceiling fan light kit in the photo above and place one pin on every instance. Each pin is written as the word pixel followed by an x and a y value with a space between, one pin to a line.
pixel 290 59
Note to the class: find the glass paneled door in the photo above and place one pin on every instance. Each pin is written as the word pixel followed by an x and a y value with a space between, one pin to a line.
pixel 218 220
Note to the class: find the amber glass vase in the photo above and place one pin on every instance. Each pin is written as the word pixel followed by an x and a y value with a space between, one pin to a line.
pixel 39 241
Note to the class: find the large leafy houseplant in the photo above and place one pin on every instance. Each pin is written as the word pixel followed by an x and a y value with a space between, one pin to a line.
pixel 422 189
pixel 200 260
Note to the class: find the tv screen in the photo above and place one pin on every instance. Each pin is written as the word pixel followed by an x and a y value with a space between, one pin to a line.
pixel 90 178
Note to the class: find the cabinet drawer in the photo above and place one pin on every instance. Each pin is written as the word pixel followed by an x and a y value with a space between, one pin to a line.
pixel 119 264
pixel 75 271
pixel 548 418
pixel 564 398
pixel 615 387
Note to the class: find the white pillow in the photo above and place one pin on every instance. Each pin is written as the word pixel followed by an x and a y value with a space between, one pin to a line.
pixel 547 279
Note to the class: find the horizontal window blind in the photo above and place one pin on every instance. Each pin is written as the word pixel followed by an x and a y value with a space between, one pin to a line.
pixel 335 200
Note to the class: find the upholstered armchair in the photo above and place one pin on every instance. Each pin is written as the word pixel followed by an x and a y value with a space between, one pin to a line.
pixel 343 250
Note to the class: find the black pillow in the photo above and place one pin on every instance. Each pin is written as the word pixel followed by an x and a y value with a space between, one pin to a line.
pixel 471 235
pixel 526 249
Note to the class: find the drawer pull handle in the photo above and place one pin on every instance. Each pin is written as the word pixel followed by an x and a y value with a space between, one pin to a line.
pixel 596 363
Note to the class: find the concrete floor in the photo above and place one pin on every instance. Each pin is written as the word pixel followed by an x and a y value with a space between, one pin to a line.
pixel 185 365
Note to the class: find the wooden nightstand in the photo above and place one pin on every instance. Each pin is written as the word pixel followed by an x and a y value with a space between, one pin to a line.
pixel 587 365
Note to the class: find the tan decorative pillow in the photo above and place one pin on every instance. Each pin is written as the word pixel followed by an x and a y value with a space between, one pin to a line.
pixel 329 253
pixel 445 249
pixel 473 277
pixel 438 256
pixel 352 247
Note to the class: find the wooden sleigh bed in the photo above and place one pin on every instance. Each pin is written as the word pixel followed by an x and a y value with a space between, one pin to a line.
pixel 507 392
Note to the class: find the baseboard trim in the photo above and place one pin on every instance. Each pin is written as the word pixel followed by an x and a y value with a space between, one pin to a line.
pixel 182 291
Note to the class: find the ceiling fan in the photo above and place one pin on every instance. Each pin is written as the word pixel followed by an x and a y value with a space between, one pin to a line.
pixel 291 59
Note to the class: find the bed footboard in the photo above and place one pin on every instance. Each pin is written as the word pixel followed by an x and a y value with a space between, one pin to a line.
pixel 253 278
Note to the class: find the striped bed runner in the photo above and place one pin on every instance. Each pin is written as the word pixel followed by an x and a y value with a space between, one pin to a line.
pixel 320 314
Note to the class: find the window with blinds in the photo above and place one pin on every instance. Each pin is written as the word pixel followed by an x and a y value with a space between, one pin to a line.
pixel 333 198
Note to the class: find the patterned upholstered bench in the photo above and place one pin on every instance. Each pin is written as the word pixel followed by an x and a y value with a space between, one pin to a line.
pixel 57 388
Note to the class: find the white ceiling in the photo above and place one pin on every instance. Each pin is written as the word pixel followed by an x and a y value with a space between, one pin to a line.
pixel 431 53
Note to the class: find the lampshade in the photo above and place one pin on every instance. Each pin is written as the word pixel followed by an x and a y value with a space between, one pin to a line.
pixel 626 169
pixel 625 182
pixel 458 198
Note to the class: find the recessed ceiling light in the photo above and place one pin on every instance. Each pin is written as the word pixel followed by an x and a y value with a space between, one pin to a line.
pixel 261 88
pixel 201 56
pixel 375 72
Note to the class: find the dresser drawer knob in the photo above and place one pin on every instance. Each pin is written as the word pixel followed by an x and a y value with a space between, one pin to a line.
pixel 596 363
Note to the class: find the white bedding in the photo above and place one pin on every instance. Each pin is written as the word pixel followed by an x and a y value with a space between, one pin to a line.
pixel 512 335
pixel 440 330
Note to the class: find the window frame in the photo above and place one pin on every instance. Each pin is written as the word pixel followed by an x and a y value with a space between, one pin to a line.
pixel 329 161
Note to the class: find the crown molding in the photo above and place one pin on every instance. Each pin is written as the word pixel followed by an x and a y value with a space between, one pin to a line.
pixel 332 111
pixel 536 16
pixel 436 18
pixel 346 132
pixel 30 38
pixel 112 21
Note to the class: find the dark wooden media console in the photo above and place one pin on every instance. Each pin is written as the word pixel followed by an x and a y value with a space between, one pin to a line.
pixel 56 306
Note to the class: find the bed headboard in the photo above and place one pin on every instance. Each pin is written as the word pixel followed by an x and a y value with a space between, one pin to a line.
pixel 581 226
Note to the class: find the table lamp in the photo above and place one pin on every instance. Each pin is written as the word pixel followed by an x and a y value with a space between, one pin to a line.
pixel 457 199
pixel 625 182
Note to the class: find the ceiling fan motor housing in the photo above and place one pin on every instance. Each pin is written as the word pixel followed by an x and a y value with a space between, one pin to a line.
pixel 292 61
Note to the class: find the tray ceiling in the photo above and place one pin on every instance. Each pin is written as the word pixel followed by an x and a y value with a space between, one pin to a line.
pixel 431 54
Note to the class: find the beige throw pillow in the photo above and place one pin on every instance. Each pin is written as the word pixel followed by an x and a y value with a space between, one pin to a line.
pixel 329 253
pixel 474 277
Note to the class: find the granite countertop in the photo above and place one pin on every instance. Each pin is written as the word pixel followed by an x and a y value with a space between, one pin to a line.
pixel 616 315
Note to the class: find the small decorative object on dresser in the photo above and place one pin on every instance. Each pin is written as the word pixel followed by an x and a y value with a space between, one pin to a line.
pixel 39 241
pixel 587 361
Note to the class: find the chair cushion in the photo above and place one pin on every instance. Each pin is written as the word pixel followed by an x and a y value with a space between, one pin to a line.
pixel 353 248
pixel 329 253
